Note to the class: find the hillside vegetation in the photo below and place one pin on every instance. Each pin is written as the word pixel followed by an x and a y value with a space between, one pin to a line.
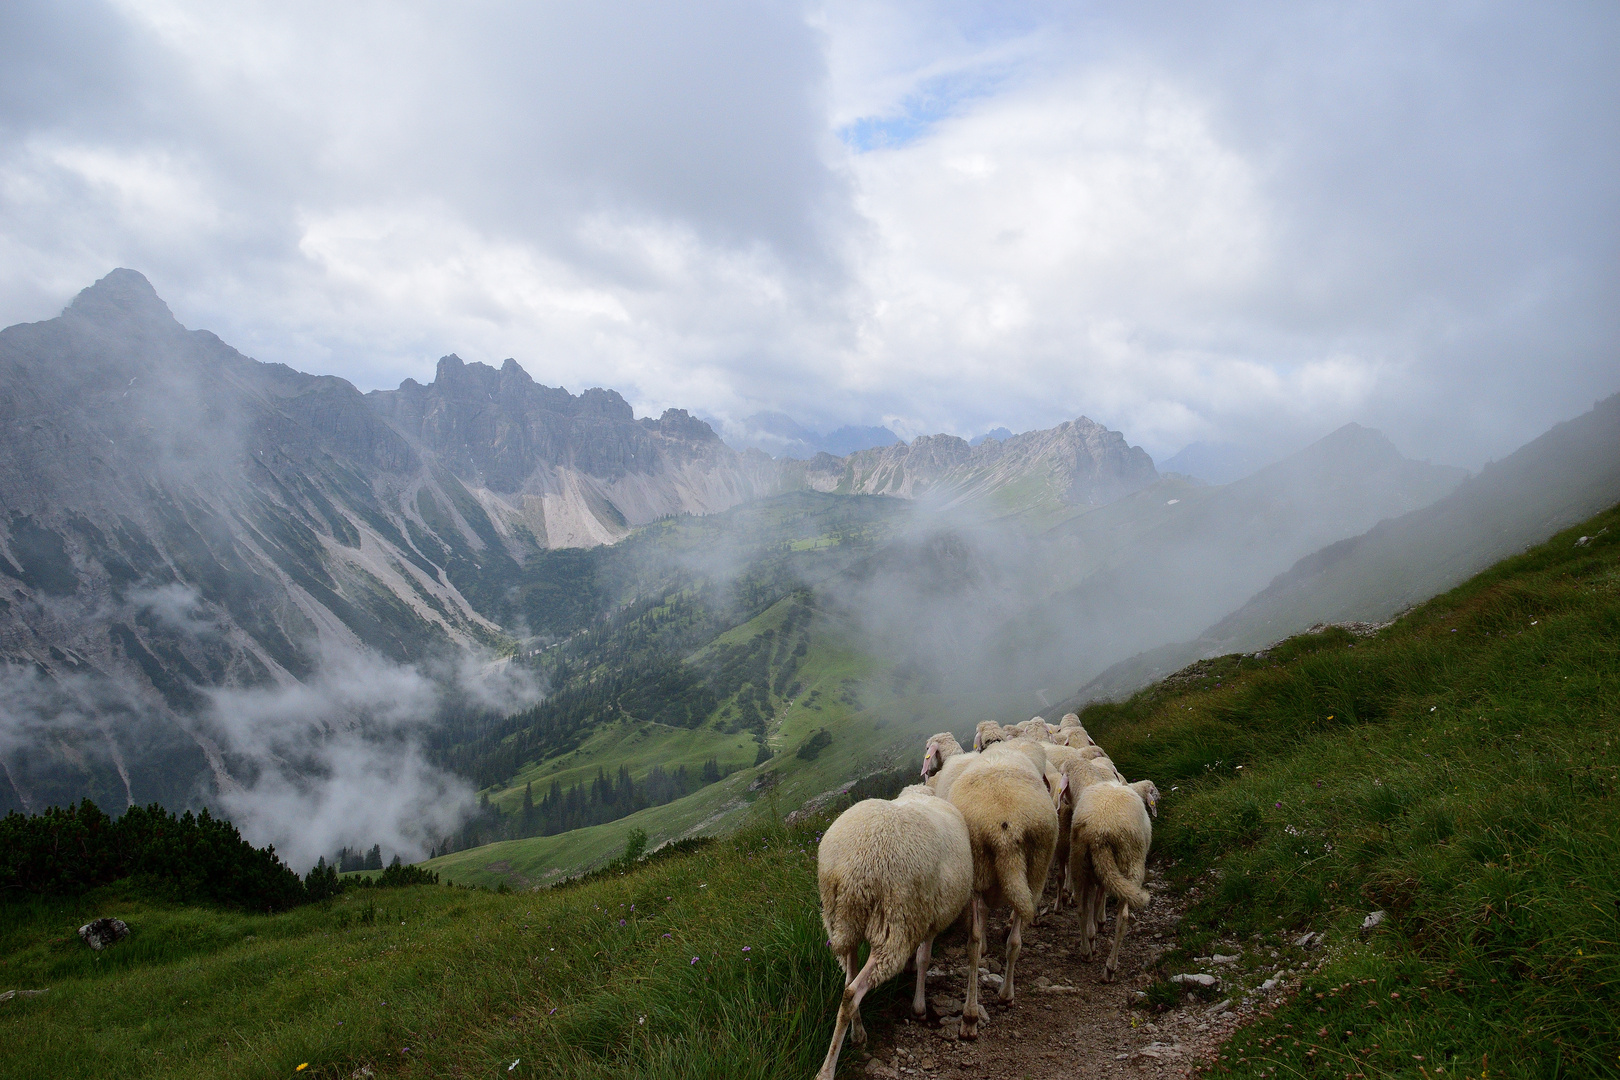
pixel 1457 770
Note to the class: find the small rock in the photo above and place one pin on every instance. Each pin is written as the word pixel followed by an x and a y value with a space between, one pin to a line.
pixel 936 973
pixel 103 932
pixel 1043 981
pixel 1268 986
pixel 1219 959
pixel 1309 939
pixel 876 1068
pixel 991 980
pixel 994 966
pixel 1218 1008
pixel 927 1063
pixel 1371 921
pixel 9 994
pixel 945 1006
pixel 951 1028
pixel 1198 979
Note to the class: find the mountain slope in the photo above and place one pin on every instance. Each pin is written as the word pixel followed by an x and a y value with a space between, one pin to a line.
pixel 1562 477
pixel 555 470
pixel 1559 478
pixel 180 518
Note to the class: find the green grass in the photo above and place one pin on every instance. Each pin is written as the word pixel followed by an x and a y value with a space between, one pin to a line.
pixel 638 744
pixel 1458 771
pixel 707 964
pixel 876 721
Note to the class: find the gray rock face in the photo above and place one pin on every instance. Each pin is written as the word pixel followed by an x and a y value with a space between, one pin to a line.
pixel 495 429
pixel 1078 463
pixel 176 517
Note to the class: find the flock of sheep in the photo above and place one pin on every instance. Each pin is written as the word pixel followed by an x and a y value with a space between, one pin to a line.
pixel 982 831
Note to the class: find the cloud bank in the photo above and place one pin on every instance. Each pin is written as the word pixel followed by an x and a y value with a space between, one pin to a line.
pixel 1239 225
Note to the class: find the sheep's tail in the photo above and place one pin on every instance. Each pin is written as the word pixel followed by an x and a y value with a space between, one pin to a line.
pixel 1013 873
pixel 1102 857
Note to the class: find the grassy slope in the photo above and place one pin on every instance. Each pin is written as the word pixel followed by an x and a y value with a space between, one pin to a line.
pixel 1458 771
pixel 638 745
pixel 597 980
pixel 881 728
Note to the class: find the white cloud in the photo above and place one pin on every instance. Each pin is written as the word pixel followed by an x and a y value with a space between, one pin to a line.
pixel 1249 223
pixel 337 761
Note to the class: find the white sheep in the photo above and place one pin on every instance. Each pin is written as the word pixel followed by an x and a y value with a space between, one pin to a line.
pixel 1074 773
pixel 1103 761
pixel 989 733
pixel 1012 825
pixel 941 748
pixel 1071 732
pixel 1095 914
pixel 1109 845
pixel 1033 729
pixel 954 766
pixel 892 874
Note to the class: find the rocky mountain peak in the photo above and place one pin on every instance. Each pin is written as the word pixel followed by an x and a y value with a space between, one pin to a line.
pixel 122 297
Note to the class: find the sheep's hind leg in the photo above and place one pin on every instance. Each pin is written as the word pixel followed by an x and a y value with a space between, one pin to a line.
pixel 1121 917
pixel 849 1012
pixel 970 1007
pixel 919 1000
pixel 1015 943
pixel 851 962
pixel 1086 898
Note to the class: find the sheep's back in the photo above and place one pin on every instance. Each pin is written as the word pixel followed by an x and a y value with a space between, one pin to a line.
pixel 1003 791
pixel 903 865
pixel 1112 812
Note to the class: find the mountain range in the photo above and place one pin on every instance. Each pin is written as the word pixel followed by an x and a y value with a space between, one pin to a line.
pixel 180 517
pixel 182 522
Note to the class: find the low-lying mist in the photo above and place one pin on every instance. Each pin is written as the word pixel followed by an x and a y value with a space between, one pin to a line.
pixel 337 761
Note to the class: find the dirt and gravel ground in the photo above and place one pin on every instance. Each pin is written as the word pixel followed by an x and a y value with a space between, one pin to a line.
pixel 1066 1022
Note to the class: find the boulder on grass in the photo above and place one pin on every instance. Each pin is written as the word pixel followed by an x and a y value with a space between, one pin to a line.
pixel 104 932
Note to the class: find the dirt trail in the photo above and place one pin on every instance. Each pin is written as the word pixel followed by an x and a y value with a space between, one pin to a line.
pixel 1066 1022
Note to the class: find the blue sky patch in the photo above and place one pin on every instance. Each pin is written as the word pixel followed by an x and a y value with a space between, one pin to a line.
pixel 934 99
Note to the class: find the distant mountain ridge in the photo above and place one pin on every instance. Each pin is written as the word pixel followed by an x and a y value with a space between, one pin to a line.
pixel 1078 464
pixel 1562 477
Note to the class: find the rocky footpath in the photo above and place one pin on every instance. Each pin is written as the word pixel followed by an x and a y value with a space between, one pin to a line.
pixel 1067 1022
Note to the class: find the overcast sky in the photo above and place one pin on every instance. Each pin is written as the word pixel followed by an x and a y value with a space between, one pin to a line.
pixel 1248 224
